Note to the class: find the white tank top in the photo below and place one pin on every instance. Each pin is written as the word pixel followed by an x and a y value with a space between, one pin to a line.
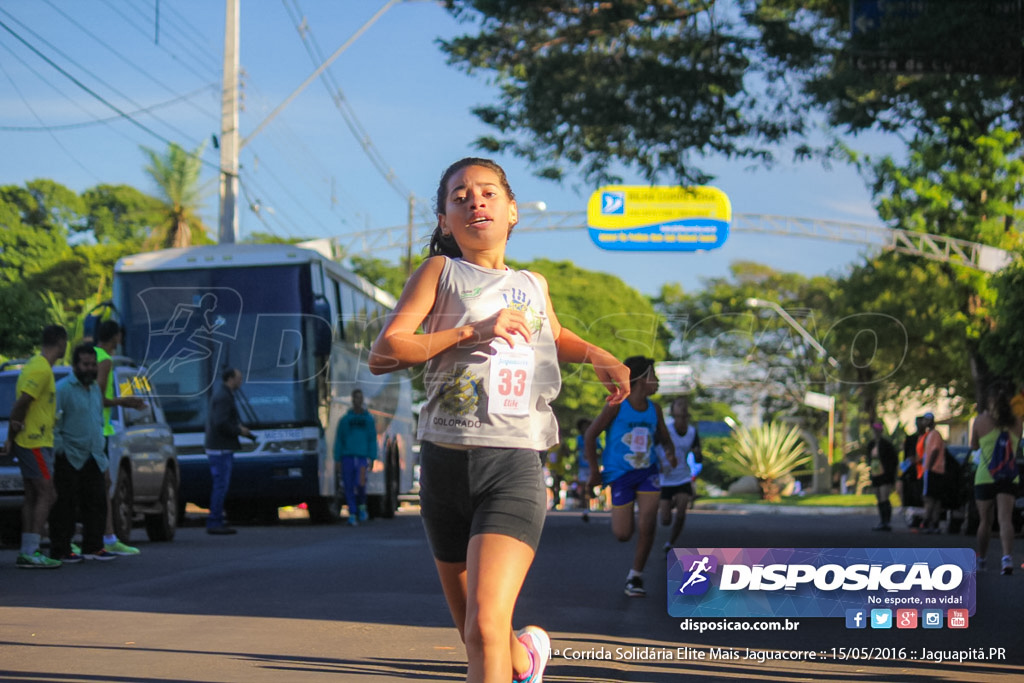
pixel 488 394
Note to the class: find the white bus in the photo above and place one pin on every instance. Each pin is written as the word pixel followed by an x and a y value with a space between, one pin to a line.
pixel 298 326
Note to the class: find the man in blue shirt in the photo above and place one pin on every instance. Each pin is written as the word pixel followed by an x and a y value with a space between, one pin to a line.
pixel 79 462
pixel 355 445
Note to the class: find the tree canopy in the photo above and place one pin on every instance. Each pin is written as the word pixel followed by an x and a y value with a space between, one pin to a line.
pixel 655 86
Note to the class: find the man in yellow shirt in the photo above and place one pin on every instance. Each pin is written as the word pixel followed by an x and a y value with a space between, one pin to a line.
pixel 30 438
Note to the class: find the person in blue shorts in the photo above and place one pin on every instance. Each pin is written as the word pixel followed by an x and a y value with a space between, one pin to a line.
pixel 629 465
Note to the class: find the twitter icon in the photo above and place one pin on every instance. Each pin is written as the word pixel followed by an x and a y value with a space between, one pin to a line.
pixel 881 618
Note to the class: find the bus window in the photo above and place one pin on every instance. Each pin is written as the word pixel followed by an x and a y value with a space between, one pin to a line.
pixel 339 324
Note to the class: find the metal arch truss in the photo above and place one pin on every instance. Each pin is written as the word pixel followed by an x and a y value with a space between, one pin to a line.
pixel 936 247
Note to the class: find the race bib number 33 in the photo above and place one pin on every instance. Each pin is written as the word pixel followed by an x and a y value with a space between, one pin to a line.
pixel 510 382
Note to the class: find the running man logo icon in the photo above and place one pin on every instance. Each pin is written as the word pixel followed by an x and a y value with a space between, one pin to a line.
pixel 695 581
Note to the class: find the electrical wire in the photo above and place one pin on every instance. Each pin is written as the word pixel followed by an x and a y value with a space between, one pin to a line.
pixel 131 63
pixel 68 58
pixel 37 117
pixel 362 136
pixel 94 122
pixel 93 93
pixel 173 54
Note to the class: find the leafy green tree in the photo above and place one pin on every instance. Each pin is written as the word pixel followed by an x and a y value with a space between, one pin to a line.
pixel 603 310
pixel 22 318
pixel 36 220
pixel 121 214
pixel 176 174
pixel 970 189
pixel 760 358
pixel 815 41
pixel 767 453
pixel 388 276
pixel 898 333
pixel 655 86
pixel 1003 348
pixel 270 238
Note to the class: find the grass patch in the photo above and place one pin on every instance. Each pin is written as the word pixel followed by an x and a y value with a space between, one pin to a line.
pixel 809 500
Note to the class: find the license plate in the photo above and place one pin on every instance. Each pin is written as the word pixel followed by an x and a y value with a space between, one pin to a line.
pixel 281 435
pixel 11 483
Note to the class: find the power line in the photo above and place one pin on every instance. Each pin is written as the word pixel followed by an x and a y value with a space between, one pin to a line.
pixel 93 93
pixel 173 55
pixel 34 114
pixel 362 136
pixel 181 133
pixel 132 63
pixel 84 124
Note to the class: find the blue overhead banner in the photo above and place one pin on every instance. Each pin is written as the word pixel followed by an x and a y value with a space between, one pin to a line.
pixel 658 218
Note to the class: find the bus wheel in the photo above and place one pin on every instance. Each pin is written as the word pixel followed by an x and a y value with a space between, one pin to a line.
pixel 384 506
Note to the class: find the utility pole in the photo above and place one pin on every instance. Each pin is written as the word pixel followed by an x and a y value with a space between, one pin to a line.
pixel 228 232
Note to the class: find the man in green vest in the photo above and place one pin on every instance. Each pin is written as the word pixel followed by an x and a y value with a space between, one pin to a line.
pixel 108 337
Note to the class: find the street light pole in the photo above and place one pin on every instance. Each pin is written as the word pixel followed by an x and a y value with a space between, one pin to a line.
pixel 761 303
pixel 827 402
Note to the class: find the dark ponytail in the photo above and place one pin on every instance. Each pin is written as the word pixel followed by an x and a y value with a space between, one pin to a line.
pixel 443 245
pixel 1002 413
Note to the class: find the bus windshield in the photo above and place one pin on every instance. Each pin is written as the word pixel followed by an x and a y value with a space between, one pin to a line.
pixel 188 326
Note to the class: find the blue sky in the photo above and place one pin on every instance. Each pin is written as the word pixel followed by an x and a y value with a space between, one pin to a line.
pixel 307 170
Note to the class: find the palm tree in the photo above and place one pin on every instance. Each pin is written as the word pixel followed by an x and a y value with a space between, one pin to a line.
pixel 176 174
pixel 767 453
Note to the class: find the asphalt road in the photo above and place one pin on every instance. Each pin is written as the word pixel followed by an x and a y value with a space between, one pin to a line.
pixel 296 602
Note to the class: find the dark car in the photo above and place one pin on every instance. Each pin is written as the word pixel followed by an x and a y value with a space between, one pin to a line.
pixel 143 461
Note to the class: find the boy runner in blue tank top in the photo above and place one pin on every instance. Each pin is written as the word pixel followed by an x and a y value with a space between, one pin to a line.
pixel 630 467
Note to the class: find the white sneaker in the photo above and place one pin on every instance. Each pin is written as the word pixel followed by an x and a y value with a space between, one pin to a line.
pixel 537 642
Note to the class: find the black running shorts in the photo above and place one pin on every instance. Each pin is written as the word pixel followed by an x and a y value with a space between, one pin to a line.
pixel 479 491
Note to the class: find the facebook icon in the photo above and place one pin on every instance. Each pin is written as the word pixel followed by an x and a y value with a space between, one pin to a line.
pixel 856 618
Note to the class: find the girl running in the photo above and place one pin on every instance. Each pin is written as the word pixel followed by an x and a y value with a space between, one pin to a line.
pixel 992 427
pixel 492 345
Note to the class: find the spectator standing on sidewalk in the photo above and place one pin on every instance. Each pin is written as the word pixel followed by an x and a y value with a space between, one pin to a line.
pixel 882 463
pixel 933 462
pixel 223 427
pixel 355 447
pixel 30 439
pixel 80 462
